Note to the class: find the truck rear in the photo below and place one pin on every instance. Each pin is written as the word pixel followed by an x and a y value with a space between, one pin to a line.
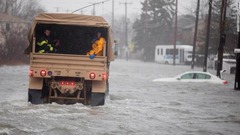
pixel 68 75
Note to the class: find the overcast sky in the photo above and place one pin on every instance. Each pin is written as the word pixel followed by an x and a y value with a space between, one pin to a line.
pixel 133 6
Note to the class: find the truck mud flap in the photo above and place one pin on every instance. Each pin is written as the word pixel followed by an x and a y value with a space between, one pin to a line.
pixel 35 96
pixel 97 99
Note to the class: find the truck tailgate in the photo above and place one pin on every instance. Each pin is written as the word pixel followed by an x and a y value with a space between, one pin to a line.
pixel 67 65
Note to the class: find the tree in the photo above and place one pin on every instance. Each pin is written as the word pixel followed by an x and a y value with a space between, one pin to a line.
pixel 154 26
pixel 230 28
pixel 15 34
pixel 24 9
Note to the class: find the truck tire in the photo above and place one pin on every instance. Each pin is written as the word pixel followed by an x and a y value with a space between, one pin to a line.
pixel 97 99
pixel 35 96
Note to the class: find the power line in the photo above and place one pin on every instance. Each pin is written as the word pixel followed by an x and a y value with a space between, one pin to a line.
pixel 90 6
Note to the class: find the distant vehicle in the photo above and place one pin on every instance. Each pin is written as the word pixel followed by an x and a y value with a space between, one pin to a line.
pixel 194 76
pixel 164 54
pixel 229 63
pixel 169 59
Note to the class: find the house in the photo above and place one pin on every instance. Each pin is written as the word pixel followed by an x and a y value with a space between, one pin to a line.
pixel 9 24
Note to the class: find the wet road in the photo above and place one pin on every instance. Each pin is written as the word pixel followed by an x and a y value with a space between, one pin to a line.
pixel 135 106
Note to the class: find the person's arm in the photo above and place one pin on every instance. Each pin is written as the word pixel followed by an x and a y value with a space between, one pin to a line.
pixel 100 46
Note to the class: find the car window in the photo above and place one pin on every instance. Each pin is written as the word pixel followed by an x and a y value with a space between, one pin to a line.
pixel 195 76
pixel 187 76
pixel 202 76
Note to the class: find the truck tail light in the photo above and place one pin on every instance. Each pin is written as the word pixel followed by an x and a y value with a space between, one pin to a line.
pixel 30 73
pixel 62 83
pixel 67 83
pixel 92 75
pixel 104 76
pixel 43 73
pixel 225 82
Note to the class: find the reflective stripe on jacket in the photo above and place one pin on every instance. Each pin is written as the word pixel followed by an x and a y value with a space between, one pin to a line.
pixel 43 42
pixel 43 46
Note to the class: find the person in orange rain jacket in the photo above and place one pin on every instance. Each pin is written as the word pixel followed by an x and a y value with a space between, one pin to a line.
pixel 97 46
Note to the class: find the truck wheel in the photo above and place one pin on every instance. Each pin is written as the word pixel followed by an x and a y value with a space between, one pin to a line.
pixel 35 96
pixel 97 99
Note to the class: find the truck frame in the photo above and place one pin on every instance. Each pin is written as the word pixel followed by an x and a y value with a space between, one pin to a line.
pixel 69 76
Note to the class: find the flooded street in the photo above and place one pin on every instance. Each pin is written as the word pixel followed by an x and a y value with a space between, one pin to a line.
pixel 135 105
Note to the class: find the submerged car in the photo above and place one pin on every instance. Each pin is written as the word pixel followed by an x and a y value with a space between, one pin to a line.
pixel 194 76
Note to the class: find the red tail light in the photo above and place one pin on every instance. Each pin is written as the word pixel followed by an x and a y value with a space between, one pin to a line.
pixel 225 82
pixel 104 76
pixel 31 73
pixel 62 83
pixel 92 75
pixel 67 83
pixel 43 73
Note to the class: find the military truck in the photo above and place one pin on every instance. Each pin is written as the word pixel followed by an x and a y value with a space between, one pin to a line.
pixel 68 75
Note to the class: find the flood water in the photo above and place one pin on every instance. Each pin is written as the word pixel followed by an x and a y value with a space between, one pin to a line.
pixel 135 105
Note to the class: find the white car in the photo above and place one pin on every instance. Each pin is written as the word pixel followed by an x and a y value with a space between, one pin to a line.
pixel 194 76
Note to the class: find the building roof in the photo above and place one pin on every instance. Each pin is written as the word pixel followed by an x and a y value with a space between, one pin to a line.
pixel 11 19
pixel 200 22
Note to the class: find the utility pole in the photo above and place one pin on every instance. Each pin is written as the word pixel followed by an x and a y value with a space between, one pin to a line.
pixel 222 37
pixel 94 13
pixel 195 35
pixel 57 9
pixel 113 16
pixel 175 34
pixel 126 24
pixel 207 36
pixel 237 74
pixel 94 4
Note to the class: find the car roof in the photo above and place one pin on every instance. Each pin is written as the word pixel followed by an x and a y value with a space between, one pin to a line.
pixel 198 72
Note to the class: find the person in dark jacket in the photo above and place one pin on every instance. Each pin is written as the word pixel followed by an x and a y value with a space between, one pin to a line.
pixel 44 43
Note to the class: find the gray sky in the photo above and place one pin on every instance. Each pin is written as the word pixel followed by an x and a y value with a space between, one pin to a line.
pixel 134 6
